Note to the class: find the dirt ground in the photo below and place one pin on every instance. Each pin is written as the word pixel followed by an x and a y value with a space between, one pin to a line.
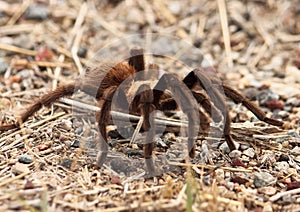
pixel 49 163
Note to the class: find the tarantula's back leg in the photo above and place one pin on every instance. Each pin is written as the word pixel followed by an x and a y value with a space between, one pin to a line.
pixel 238 98
pixel 45 100
pixel 103 118
pixel 213 91
pixel 185 100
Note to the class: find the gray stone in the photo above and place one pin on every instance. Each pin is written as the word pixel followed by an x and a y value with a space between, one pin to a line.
pixel 3 66
pixel 225 149
pixel 282 166
pixel 37 12
pixel 27 159
pixel 249 152
pixel 263 179
pixel 235 154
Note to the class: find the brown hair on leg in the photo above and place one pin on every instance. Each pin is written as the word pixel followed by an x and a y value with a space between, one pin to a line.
pixel 103 119
pixel 239 98
pixel 136 59
pixel 45 100
pixel 212 90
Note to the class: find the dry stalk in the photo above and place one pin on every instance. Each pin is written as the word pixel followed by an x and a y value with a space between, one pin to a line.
pixel 16 49
pixel 225 31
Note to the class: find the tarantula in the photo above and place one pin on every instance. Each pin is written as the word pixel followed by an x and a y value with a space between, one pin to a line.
pixel 197 95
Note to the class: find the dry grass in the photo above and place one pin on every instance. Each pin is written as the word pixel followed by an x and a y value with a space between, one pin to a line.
pixel 251 43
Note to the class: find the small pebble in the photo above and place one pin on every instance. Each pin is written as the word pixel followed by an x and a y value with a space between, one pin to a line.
pixel 268 190
pixel 244 147
pixel 251 93
pixel 66 162
pixel 240 178
pixel 263 179
pixel 135 16
pixel 20 168
pixel 225 149
pixel 288 199
pixel 285 143
pixel 235 154
pixel 238 162
pixel 29 184
pixel 249 152
pixel 266 95
pixel 295 102
pixel 76 144
pixel 115 180
pixel 296 150
pixel 219 175
pixel 175 7
pixel 82 52
pixel 293 133
pixel 283 114
pixel 281 166
pixel 25 41
pixel 133 152
pixel 3 66
pixel 283 157
pixel 44 53
pixel 26 159
pixel 42 147
pixel 267 208
pixel 37 12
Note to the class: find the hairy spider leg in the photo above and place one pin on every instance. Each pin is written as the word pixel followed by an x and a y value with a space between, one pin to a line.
pixel 143 104
pixel 103 118
pixel 136 59
pixel 213 92
pixel 45 100
pixel 185 100
pixel 237 98
pixel 168 103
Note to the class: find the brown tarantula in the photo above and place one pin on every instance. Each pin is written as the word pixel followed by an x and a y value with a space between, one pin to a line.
pixel 197 91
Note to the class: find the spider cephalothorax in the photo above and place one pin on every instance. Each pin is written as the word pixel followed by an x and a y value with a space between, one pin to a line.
pixel 197 95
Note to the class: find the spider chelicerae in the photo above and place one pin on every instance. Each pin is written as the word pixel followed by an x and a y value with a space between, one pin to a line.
pixel 199 95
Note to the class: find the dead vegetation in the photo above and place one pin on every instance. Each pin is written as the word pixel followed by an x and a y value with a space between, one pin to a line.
pixel 254 45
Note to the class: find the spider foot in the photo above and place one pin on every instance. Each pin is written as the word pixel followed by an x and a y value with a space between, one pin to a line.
pixel 151 171
pixel 101 157
pixel 230 142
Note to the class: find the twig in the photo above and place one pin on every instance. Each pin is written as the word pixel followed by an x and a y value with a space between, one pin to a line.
pixel 76 27
pixel 18 13
pixel 75 48
pixel 125 116
pixel 210 167
pixel 16 29
pixel 14 178
pixel 144 190
pixel 285 193
pixel 163 11
pixel 260 54
pixel 110 27
pixel 288 38
pixel 14 143
pixel 33 125
pixel 16 49
pixel 137 129
pixel 43 64
pixel 225 31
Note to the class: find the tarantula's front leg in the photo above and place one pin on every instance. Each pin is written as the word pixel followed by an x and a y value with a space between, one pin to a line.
pixel 213 91
pixel 184 98
pixel 238 98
